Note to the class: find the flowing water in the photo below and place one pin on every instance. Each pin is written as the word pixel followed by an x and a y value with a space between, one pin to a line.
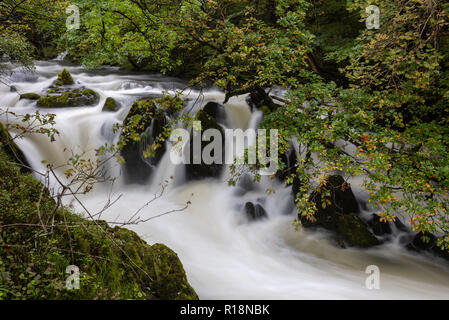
pixel 225 256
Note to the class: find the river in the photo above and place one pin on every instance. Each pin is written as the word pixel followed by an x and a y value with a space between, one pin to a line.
pixel 225 255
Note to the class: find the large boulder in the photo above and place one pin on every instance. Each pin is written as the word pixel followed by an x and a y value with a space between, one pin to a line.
pixel 354 231
pixel 427 242
pixel 337 210
pixel 146 122
pixel 71 98
pixel 203 170
pixel 142 145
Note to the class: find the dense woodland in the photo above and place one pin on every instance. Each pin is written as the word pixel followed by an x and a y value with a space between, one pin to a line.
pixel 382 92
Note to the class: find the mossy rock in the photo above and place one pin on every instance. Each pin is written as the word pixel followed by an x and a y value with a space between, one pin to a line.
pixel 64 78
pixel 30 96
pixel 354 231
pixel 73 98
pixel 170 278
pixel 145 122
pixel 335 198
pixel 337 210
pixel 115 263
pixel 145 109
pixel 144 127
pixel 427 242
pixel 110 105
pixel 171 105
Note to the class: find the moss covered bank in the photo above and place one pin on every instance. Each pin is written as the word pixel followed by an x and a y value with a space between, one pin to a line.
pixel 36 249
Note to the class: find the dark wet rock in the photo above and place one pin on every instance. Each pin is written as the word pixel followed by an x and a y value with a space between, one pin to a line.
pixel 64 78
pixel 427 242
pixel 201 170
pixel 379 228
pixel 341 201
pixel 12 89
pixel 30 96
pixel 296 187
pixel 354 231
pixel 337 211
pixel 422 242
pixel 72 98
pixel 255 212
pixel 400 226
pixel 216 111
pixel 110 105
pixel 289 159
pixel 440 252
pixel 12 150
pixel 259 99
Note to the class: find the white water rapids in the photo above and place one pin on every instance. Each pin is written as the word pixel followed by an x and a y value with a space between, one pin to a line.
pixel 225 256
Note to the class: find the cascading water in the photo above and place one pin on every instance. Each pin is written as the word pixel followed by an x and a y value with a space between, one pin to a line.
pixel 225 256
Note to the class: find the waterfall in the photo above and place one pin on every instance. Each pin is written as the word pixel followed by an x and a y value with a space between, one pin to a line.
pixel 225 256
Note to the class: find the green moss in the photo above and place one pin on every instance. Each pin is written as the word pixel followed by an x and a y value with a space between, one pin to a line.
pixel 336 207
pixel 89 92
pixel 110 105
pixel 140 115
pixel 64 78
pixel 72 98
pixel 172 105
pixel 266 110
pixel 54 90
pixel 355 232
pixel 30 96
pixel 115 263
